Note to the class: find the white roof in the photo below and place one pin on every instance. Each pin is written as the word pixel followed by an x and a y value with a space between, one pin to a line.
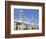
pixel 23 22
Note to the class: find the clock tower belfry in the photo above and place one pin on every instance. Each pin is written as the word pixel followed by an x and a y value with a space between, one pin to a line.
pixel 21 16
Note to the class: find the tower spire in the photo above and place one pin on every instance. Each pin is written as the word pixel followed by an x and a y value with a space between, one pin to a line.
pixel 32 21
pixel 21 16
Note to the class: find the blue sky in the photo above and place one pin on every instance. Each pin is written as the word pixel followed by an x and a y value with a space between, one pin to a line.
pixel 28 13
